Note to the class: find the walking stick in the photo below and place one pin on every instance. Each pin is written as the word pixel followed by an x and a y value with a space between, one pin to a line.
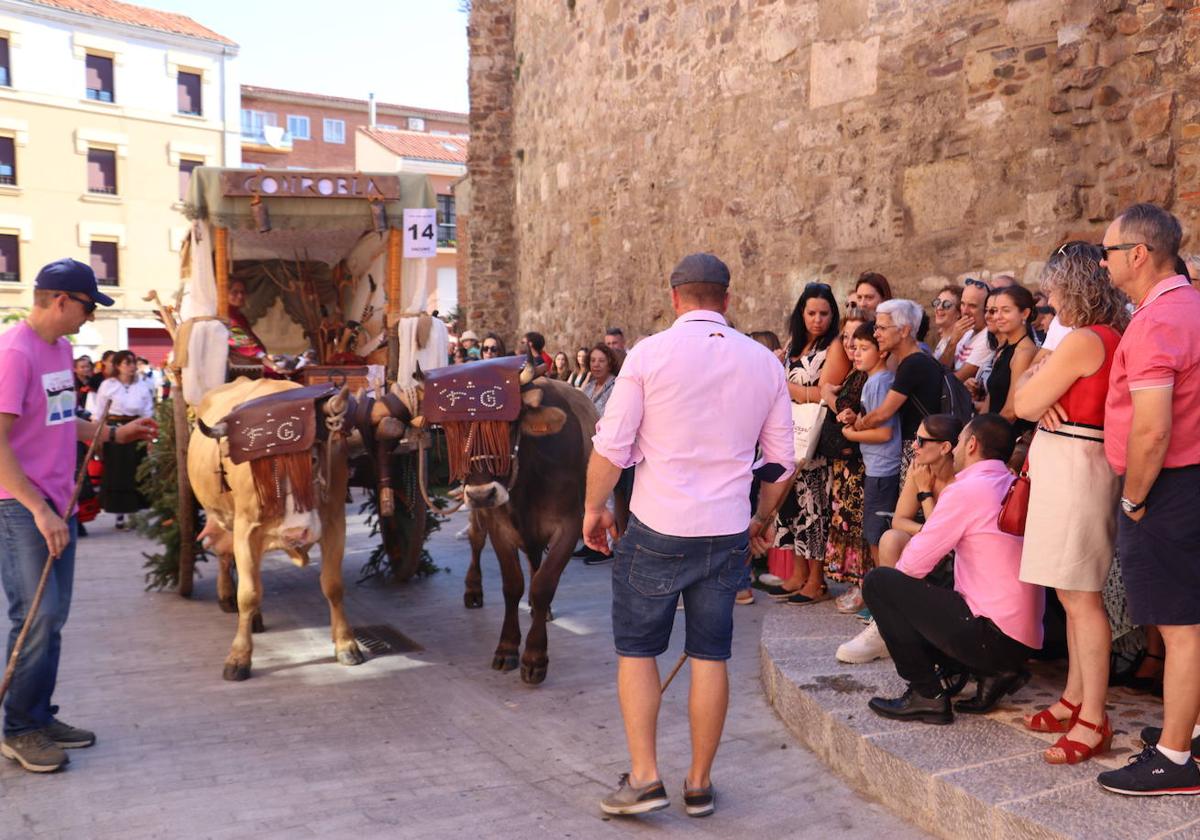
pixel 670 676
pixel 41 588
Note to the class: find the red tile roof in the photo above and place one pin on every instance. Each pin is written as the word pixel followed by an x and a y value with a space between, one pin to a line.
pixel 253 91
pixel 450 148
pixel 139 16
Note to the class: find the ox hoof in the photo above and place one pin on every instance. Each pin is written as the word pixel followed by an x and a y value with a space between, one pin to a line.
pixel 235 672
pixel 534 674
pixel 549 613
pixel 351 656
pixel 227 605
pixel 256 624
pixel 504 662
pixel 473 600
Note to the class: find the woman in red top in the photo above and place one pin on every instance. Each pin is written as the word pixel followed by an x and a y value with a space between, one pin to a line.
pixel 1071 525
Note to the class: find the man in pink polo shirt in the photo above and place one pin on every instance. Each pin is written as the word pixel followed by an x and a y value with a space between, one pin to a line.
pixel 689 407
pixel 991 622
pixel 1152 438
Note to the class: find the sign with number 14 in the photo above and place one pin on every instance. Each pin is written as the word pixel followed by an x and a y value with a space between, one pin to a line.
pixel 420 232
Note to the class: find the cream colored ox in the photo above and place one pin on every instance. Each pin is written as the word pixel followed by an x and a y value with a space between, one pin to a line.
pixel 236 525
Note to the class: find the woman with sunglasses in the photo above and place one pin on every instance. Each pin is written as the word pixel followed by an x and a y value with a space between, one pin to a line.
pixel 946 312
pixel 1071 524
pixel 817 364
pixel 932 469
pixel 127 396
pixel 491 347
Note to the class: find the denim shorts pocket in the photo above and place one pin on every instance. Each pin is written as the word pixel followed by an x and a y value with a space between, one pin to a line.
pixel 735 573
pixel 652 572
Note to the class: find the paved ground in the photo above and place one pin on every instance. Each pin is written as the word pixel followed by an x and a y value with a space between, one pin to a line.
pixel 424 745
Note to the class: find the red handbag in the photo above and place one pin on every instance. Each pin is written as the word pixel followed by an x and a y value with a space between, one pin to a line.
pixel 1015 507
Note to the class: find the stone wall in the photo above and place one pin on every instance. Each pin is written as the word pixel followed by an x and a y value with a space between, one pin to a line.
pixel 807 140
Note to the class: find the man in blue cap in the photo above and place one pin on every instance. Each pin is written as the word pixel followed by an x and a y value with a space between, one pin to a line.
pixel 38 430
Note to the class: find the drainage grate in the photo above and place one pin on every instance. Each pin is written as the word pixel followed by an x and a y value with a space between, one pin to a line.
pixel 382 639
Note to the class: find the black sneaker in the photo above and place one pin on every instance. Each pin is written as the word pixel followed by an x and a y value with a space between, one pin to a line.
pixel 1150 773
pixel 628 800
pixel 69 737
pixel 699 802
pixel 1151 734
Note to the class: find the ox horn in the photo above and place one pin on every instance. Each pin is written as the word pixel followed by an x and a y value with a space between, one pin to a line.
pixel 215 432
pixel 337 403
pixel 529 371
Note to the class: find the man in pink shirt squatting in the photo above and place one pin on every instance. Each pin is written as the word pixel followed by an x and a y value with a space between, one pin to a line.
pixel 991 622
pixel 38 430
pixel 689 407
pixel 1152 439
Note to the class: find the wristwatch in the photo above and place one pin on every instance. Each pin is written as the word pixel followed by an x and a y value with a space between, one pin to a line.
pixel 1130 507
pixel 923 495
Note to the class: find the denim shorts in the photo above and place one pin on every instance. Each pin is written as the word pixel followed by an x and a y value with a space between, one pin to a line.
pixel 650 572
pixel 880 493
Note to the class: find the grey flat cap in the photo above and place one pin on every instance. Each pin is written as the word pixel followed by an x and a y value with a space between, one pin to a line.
pixel 700 268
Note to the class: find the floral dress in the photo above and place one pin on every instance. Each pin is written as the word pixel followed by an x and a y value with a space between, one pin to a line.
pixel 803 521
pixel 847 557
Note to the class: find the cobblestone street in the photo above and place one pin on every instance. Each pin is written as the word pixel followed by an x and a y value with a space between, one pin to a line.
pixel 427 744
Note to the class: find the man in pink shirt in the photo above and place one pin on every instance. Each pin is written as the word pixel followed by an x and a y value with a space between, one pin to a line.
pixel 991 622
pixel 1152 438
pixel 688 408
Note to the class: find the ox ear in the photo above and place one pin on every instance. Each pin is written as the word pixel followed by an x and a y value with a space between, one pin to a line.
pixel 543 421
pixel 215 432
pixel 532 397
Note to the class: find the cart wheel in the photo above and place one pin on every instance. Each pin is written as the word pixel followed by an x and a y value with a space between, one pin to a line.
pixel 404 538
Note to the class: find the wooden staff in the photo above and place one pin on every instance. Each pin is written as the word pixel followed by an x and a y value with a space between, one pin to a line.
pixel 50 558
pixel 674 671
pixel 185 515
pixel 221 264
pixel 395 304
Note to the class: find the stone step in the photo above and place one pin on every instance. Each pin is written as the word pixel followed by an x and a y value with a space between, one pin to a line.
pixel 983 777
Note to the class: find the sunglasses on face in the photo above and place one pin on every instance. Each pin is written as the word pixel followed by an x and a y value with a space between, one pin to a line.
pixel 89 305
pixel 1124 246
pixel 1046 310
pixel 942 303
pixel 922 440
pixel 490 348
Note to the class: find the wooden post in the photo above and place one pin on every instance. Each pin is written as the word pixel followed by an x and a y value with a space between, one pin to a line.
pixel 185 515
pixel 395 303
pixel 221 265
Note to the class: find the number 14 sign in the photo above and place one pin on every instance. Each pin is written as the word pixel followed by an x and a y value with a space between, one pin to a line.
pixel 420 232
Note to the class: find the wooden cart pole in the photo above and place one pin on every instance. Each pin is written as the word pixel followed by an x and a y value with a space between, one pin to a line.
pixel 395 303
pixel 221 265
pixel 185 513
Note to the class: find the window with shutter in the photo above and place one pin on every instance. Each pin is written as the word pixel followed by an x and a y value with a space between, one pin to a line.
pixel 10 266
pixel 103 257
pixel 5 71
pixel 185 175
pixel 102 171
pixel 8 161
pixel 447 220
pixel 189 85
pixel 99 82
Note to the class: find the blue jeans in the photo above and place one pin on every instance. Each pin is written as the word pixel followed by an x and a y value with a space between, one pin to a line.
pixel 650 572
pixel 22 556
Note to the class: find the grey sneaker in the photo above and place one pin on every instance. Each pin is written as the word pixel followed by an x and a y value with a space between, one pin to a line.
pixel 69 737
pixel 34 751
pixel 628 800
pixel 699 802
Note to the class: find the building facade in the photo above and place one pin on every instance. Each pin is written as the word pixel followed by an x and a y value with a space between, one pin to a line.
pixel 285 128
pixel 443 159
pixel 105 108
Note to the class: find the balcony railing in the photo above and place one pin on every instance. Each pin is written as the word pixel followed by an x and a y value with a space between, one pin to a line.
pixel 106 189
pixel 100 95
pixel 9 277
pixel 259 137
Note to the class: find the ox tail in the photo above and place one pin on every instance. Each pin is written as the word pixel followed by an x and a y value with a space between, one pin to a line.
pixel 276 475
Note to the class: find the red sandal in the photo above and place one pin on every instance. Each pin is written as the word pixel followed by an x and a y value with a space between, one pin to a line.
pixel 1074 752
pixel 1043 721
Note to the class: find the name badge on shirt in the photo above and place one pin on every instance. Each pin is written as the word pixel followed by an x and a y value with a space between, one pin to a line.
pixel 60 397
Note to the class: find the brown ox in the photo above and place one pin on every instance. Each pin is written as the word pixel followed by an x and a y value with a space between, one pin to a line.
pixel 238 523
pixel 532 501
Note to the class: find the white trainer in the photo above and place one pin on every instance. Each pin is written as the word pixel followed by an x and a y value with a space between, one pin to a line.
pixel 867 646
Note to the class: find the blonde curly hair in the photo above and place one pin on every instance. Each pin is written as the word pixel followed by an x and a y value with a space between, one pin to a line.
pixel 1086 295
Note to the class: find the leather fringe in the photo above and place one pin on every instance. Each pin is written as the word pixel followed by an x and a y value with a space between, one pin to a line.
pixel 483 444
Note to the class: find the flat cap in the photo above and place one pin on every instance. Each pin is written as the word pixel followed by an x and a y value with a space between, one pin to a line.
pixel 700 268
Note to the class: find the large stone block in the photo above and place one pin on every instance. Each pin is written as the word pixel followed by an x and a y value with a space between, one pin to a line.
pixel 838 18
pixel 939 195
pixel 1034 20
pixel 842 70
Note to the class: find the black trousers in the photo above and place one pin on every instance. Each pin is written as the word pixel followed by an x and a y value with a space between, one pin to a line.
pixel 925 625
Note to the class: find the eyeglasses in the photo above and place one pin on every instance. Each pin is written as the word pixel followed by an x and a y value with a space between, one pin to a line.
pixel 979 284
pixel 89 305
pixel 490 348
pixel 922 440
pixel 1046 310
pixel 1125 246
pixel 942 303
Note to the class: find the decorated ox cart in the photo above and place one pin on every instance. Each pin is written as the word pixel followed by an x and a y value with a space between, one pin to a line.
pixel 330 285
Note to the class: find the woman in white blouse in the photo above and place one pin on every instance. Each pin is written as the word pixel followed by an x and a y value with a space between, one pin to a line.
pixel 127 397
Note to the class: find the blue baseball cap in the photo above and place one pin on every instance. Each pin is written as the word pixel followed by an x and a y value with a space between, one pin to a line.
pixel 68 275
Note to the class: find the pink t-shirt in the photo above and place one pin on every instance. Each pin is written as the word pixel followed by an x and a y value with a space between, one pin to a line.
pixel 1161 349
pixel 37 386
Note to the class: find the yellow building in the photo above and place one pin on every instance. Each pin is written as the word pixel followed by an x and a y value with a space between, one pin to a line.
pixel 104 110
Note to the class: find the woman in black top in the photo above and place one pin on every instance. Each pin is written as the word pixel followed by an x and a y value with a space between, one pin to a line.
pixel 1013 322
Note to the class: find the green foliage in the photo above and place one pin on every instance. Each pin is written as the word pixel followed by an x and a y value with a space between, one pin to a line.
pixel 157 477
pixel 379 566
pixel 14 317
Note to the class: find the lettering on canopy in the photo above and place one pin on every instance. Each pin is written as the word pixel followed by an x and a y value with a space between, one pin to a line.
pixel 305 184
